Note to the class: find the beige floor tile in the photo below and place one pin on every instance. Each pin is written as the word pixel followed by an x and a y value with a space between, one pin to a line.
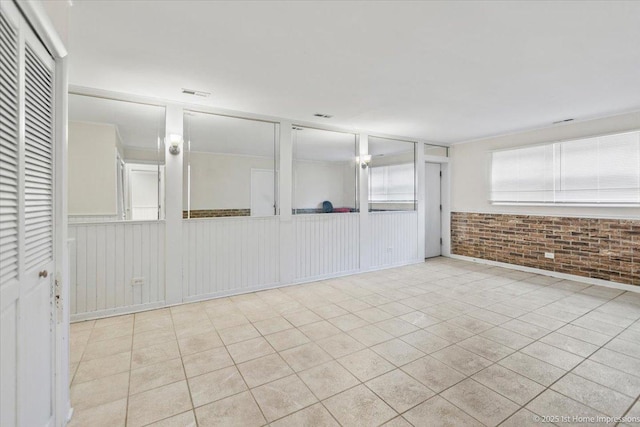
pixel 552 355
pixel 593 395
pixel 425 341
pixel 282 397
pixel 199 342
pixel 486 348
pixel 609 377
pixel 206 361
pixel 111 414
pixel 526 329
pixel 287 339
pixel 553 403
pixel 419 319
pixel 340 345
pixel 273 325
pixel 395 308
pixel 154 354
pixel 399 390
pixel 81 326
pixel 250 349
pixel 329 311
pixel 216 385
pixel 507 338
pixel 115 320
pixel 509 384
pixel 348 322
pixel 373 315
pixel 303 317
pixel 328 379
pixel 313 416
pixel 157 375
pixel 396 327
pixel 398 352
pixel 110 332
pixel 522 418
pixel 319 330
pixel 461 360
pixel 238 333
pixel 370 335
pixel 625 347
pixel 584 334
pixel 153 323
pixel 437 412
pixel 471 324
pixel 532 368
pixel 188 330
pixel 154 337
pixel 100 391
pixel 449 332
pixel 567 343
pixel 305 356
pixel 185 419
pixel 97 368
pixel 158 404
pixel 617 360
pixel 358 406
pixel 365 364
pixel 433 373
pixel 397 422
pixel 239 410
pixel 99 349
pixel 264 369
pixel 480 402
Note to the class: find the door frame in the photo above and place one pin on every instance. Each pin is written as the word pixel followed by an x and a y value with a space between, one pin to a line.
pixel 41 24
pixel 445 200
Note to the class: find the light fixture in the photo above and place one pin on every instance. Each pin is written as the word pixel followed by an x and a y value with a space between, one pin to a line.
pixel 194 92
pixel 323 115
pixel 175 141
pixel 364 160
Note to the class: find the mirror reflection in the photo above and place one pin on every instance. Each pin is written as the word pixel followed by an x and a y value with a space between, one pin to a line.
pixel 116 160
pixel 230 166
pixel 324 171
pixel 391 175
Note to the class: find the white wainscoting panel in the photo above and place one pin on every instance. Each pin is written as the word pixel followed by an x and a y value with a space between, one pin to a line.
pixel 107 258
pixel 326 244
pixel 394 238
pixel 224 256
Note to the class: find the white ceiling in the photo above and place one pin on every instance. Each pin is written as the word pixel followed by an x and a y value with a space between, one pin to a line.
pixel 441 71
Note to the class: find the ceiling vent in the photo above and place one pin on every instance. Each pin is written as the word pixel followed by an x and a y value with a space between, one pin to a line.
pixel 324 116
pixel 196 93
pixel 563 121
pixel 296 128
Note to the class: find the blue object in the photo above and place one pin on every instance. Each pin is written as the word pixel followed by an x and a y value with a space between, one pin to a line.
pixel 327 207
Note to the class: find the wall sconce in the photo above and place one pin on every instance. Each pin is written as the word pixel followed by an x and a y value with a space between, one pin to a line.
pixel 364 161
pixel 175 141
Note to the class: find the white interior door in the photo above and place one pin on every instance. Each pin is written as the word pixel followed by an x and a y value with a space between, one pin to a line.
pixel 143 191
pixel 433 211
pixel 262 192
pixel 27 358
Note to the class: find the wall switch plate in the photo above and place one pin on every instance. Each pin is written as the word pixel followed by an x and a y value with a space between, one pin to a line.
pixel 549 255
pixel 136 281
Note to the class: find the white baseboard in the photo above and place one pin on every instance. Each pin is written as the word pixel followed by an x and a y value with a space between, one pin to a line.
pixel 589 280
pixel 99 314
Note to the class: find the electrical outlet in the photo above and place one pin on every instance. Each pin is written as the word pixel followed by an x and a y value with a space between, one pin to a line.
pixel 136 281
pixel 549 255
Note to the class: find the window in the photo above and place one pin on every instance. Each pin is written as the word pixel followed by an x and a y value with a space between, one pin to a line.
pixel 324 171
pixel 230 166
pixel 391 175
pixel 599 170
pixel 116 160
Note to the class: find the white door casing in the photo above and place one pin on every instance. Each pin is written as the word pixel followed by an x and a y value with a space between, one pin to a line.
pixel 433 210
pixel 27 278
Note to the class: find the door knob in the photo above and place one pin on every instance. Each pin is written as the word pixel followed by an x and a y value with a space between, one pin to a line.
pixel 43 273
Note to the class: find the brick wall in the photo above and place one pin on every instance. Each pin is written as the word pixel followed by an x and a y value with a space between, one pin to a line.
pixel 606 249
pixel 216 213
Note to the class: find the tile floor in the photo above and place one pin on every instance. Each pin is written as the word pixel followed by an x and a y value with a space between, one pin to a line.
pixel 441 343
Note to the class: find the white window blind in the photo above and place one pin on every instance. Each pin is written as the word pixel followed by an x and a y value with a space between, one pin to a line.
pixel 392 183
pixel 599 170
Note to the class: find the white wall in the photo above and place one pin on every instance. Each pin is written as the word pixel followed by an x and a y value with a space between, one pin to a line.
pixel 470 179
pixel 221 181
pixel 92 169
pixel 317 181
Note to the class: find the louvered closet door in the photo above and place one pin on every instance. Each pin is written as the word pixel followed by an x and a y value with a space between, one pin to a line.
pixel 9 191
pixel 36 296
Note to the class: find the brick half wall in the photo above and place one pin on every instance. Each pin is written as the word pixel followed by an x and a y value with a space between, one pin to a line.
pixel 607 249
